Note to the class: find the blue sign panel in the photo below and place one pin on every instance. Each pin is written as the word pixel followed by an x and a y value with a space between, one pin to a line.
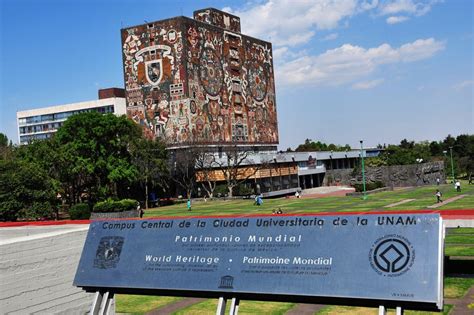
pixel 370 257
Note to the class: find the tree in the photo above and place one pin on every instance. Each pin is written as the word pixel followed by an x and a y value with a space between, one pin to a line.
pixel 26 191
pixel 237 166
pixel 95 149
pixel 183 169
pixel 310 145
pixel 5 147
pixel 150 159
pixel 205 165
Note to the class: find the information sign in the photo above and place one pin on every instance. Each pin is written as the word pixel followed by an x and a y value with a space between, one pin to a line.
pixel 394 259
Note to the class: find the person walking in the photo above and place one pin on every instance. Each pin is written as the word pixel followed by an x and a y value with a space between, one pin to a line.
pixel 438 196
pixel 437 181
pixel 189 204
pixel 457 185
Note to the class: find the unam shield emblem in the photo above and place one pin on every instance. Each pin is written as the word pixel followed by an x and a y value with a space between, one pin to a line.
pixel 108 252
pixel 154 71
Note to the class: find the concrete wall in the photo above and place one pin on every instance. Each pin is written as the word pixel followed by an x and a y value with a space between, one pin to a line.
pixel 36 276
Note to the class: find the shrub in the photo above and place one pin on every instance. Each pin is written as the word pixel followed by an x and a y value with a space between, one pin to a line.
pixel 80 211
pixel 242 190
pixel 221 190
pixel 110 205
pixel 368 186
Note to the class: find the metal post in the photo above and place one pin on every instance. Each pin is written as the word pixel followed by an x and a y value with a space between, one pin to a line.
pixel 96 303
pixel 363 169
pixel 382 310
pixel 234 306
pixel 221 306
pixel 452 165
pixel 103 303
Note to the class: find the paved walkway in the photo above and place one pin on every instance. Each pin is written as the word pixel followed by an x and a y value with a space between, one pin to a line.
pixel 399 203
pixel 440 204
pixel 305 309
pixel 173 307
pixel 326 191
pixel 461 305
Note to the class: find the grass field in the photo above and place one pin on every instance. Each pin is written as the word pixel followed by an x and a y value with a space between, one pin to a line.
pixel 459 242
pixel 423 197
pixel 454 288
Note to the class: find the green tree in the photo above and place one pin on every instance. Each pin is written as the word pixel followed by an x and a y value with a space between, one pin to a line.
pixel 310 145
pixel 26 191
pixel 96 155
pixel 5 147
pixel 150 159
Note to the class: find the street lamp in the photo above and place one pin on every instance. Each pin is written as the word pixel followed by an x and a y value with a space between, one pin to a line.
pixel 364 196
pixel 452 165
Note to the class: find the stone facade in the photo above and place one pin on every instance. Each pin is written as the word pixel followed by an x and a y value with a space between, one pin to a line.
pixel 391 176
pixel 199 81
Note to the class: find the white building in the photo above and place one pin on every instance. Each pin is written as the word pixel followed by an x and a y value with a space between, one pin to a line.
pixel 41 123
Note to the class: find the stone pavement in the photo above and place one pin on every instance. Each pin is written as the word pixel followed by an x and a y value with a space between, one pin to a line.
pixel 305 309
pixel 437 205
pixel 173 307
pixel 461 306
pixel 399 203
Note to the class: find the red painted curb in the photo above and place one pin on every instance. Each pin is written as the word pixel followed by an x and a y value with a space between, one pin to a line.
pixel 40 223
pixel 446 214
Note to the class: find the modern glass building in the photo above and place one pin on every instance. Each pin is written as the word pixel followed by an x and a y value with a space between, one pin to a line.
pixel 42 123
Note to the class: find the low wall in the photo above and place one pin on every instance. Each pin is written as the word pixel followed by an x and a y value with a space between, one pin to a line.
pixel 115 215
pixel 36 276
pixel 390 176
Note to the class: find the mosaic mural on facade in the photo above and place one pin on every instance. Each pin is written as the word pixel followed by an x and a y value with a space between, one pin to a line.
pixel 191 82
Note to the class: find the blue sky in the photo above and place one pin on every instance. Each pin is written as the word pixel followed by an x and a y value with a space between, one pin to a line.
pixel 345 70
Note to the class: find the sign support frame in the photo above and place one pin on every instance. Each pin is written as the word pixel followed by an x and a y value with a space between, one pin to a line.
pixel 103 303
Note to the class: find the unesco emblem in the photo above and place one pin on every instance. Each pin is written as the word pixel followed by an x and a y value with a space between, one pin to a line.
pixel 108 252
pixel 392 255
pixel 227 282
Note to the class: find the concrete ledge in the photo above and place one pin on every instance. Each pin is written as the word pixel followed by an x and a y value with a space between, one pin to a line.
pixel 115 215
pixel 37 268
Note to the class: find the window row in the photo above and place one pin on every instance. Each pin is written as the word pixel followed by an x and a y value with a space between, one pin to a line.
pixel 63 115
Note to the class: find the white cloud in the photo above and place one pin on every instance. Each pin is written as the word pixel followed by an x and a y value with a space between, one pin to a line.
pixel 290 22
pixel 365 85
pixel 420 49
pixel 349 63
pixel 413 7
pixel 463 84
pixel 396 19
pixel 331 36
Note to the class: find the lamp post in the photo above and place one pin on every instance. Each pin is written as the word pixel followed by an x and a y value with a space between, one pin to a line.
pixel 452 165
pixel 364 196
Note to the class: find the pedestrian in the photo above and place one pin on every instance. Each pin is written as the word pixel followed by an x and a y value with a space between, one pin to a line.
pixel 437 181
pixel 458 186
pixel 438 196
pixel 139 209
pixel 189 204
pixel 470 178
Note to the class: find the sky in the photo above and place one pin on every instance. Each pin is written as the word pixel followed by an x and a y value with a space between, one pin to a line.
pixel 345 70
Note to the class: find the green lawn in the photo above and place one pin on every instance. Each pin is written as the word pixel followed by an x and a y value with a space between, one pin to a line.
pixel 141 304
pixel 424 197
pixel 458 241
pixel 245 307
pixel 453 288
